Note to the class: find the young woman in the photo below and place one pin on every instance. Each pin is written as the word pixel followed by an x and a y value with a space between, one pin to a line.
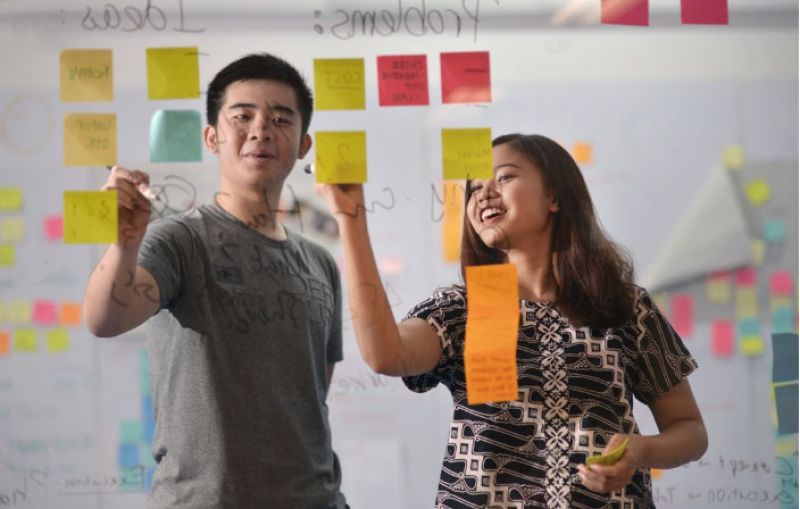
pixel 589 341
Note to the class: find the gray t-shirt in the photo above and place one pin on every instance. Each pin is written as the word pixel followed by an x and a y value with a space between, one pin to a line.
pixel 238 354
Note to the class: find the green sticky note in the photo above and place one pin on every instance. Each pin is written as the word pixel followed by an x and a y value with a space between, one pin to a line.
pixel 57 340
pixel 10 198
pixel 8 256
pixel 130 432
pixel 467 153
pixel 610 458
pixel 341 157
pixel 25 340
pixel 90 217
pixel 173 73
pixel 175 136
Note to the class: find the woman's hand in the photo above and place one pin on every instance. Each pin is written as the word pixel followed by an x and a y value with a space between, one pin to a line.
pixel 343 200
pixel 610 478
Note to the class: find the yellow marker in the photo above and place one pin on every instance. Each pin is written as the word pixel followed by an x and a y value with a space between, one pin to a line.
pixel 467 153
pixel 341 157
pixel 173 73
pixel 87 75
pixel 339 84
pixel 90 139
pixel 611 457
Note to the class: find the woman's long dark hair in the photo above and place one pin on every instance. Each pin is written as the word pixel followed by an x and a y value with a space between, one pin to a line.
pixel 594 276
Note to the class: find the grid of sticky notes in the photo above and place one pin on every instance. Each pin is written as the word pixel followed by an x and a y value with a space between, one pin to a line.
pixel 90 217
pixel 341 157
pixel 636 12
pixel 40 325
pixel 12 226
pixel 490 351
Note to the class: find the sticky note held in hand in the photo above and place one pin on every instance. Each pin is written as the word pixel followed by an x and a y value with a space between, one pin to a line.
pixel 608 459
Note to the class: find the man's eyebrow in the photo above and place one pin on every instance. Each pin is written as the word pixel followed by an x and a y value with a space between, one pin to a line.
pixel 286 110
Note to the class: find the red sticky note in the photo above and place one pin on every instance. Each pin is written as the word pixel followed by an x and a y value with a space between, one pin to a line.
pixel 780 283
pixel 54 227
pixel 44 312
pixel 403 80
pixel 5 342
pixel 625 12
pixel 722 338
pixel 466 77
pixel 704 12
pixel 747 276
pixel 682 314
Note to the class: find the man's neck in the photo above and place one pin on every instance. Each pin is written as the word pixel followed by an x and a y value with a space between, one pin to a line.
pixel 258 209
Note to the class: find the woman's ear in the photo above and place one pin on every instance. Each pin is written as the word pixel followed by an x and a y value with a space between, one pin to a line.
pixel 553 203
pixel 210 138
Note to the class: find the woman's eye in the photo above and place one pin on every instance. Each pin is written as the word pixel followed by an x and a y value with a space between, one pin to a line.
pixel 504 178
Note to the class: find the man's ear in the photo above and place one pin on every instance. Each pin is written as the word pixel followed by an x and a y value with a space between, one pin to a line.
pixel 210 138
pixel 305 145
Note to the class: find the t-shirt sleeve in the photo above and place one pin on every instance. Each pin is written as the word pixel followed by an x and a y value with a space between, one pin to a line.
pixel 333 353
pixel 661 359
pixel 445 311
pixel 164 253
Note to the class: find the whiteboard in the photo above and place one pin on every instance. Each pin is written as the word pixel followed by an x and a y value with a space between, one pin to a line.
pixel 659 104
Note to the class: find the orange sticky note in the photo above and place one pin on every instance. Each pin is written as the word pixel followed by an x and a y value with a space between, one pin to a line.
pixel 25 340
pixel 491 333
pixel 90 139
pixel 339 84
pixel 90 217
pixel 57 340
pixel 173 73
pixel 452 220
pixel 722 338
pixel 467 153
pixel 86 75
pixel 683 314
pixel 341 157
pixel 582 152
pixel 70 314
pixel 5 342
pixel 625 12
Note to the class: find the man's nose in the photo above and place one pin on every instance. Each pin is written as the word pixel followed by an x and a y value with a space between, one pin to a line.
pixel 261 128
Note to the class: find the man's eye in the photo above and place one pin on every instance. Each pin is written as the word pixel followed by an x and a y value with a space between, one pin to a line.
pixel 281 121
pixel 242 116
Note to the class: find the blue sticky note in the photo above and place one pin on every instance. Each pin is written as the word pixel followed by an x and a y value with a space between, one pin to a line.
pixel 128 455
pixel 175 136
pixel 784 357
pixel 774 230
pixel 787 407
pixel 748 327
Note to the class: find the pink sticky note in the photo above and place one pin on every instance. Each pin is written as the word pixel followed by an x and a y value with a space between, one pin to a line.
pixel 704 12
pixel 466 77
pixel 625 12
pixel 747 276
pixel 44 312
pixel 54 227
pixel 780 283
pixel 682 314
pixel 722 338
pixel 403 80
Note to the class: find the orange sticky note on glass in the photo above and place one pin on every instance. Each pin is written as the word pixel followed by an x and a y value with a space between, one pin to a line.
pixel 625 12
pixel 723 337
pixel 491 333
pixel 57 340
pixel 704 12
pixel 90 139
pixel 10 199
pixel 403 80
pixel 758 192
pixel 173 73
pixel 44 312
pixel 90 217
pixel 582 153
pixel 341 157
pixel 467 153
pixel 8 255
pixel 5 342
pixel 339 84
pixel 452 220
pixel 70 314
pixel 683 314
pixel 25 340
pixel 466 77
pixel 87 75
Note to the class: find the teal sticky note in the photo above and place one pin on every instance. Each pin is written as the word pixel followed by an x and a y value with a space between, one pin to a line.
pixel 783 320
pixel 175 136
pixel 130 432
pixel 748 327
pixel 774 230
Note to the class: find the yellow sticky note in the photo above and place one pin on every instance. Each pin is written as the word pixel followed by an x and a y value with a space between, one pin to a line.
pixel 12 229
pixel 467 153
pixel 87 75
pixel 8 255
pixel 19 312
pixel 25 340
pixel 776 302
pixel 339 83
pixel 452 220
pixel 759 249
pixel 10 199
pixel 491 333
pixel 611 457
pixel 341 157
pixel 173 73
pixel 719 288
pixel 746 303
pixel 758 192
pixel 733 157
pixel 582 152
pixel 90 217
pixel 751 345
pixel 57 340
pixel 90 139
pixel 70 314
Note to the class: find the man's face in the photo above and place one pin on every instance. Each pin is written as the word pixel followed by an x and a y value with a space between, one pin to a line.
pixel 258 134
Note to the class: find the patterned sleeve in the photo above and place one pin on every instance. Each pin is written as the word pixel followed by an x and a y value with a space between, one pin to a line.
pixel 661 359
pixel 446 311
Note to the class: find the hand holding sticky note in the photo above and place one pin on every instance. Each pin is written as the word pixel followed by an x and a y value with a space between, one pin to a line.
pixel 610 457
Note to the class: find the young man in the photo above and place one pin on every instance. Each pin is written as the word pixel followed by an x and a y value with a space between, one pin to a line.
pixel 244 316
